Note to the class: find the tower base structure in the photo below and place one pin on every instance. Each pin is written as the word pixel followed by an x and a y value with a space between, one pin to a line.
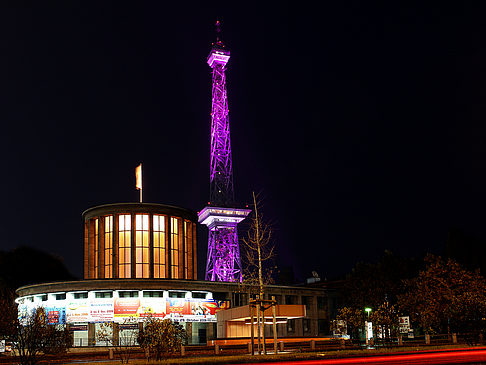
pixel 223 262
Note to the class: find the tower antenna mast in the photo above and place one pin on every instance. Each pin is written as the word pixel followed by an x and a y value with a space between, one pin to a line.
pixel 223 260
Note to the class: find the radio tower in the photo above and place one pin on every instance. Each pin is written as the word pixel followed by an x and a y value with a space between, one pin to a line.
pixel 220 216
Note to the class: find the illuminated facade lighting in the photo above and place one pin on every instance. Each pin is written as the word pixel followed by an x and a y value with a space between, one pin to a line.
pixel 223 260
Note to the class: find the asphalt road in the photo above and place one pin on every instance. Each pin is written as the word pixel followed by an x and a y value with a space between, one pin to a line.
pixel 461 356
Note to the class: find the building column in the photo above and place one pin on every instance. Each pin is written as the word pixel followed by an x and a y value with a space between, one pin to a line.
pixel 115 246
pixel 91 334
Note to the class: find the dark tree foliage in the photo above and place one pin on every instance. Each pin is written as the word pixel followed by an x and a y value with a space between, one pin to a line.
pixel 25 265
pixel 32 338
pixel 353 318
pixel 445 297
pixel 161 338
pixel 370 285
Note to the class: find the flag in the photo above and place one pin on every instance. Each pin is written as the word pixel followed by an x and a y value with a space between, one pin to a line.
pixel 138 177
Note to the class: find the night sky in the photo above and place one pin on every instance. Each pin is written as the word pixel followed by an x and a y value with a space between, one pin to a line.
pixel 363 124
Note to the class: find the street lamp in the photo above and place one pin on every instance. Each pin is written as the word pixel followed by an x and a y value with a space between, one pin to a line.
pixel 368 310
pixel 368 326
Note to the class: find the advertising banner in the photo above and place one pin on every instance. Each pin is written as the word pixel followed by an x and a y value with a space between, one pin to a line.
pixel 77 311
pixel 404 324
pixel 177 307
pixel 127 307
pixel 155 307
pixel 56 315
pixel 101 310
pixel 120 309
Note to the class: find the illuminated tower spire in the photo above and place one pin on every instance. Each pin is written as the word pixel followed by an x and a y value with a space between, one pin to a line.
pixel 223 262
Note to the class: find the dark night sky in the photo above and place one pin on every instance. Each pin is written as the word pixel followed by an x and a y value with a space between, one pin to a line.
pixel 362 123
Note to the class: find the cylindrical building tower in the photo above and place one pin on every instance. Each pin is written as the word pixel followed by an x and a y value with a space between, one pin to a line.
pixel 139 240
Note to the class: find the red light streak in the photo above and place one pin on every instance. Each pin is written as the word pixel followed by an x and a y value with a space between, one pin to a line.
pixel 459 356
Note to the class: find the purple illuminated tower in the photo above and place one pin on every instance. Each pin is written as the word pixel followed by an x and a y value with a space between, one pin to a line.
pixel 223 262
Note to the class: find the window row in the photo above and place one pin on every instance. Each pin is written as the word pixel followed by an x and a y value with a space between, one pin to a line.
pixel 140 246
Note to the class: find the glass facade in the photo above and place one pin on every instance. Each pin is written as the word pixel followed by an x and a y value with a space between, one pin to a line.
pixel 136 243
pixel 108 241
pixel 96 247
pixel 124 245
pixel 159 247
pixel 142 245
pixel 174 248
pixel 187 232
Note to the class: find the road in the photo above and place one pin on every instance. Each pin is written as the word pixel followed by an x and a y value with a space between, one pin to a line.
pixel 460 356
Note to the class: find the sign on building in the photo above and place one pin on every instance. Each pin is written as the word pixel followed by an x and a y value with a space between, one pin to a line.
pixel 404 324
pixel 369 330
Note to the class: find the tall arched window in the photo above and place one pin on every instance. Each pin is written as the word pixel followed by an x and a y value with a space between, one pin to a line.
pixel 159 246
pixel 108 247
pixel 174 248
pixel 142 245
pixel 124 246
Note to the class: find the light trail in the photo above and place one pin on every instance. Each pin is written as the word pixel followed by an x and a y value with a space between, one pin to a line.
pixel 460 356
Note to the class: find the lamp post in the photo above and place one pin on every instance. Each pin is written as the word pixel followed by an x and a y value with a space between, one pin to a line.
pixel 368 310
pixel 368 326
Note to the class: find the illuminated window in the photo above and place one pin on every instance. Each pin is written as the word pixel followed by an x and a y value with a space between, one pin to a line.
pixel 187 240
pixel 159 246
pixel 96 248
pixel 108 247
pixel 142 245
pixel 124 254
pixel 174 247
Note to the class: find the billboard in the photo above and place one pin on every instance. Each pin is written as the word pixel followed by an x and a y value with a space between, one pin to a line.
pixel 179 309
pixel 120 309
pixel 55 315
pixel 101 310
pixel 77 310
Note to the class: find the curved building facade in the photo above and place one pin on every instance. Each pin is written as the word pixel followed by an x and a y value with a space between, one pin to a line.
pixel 139 261
pixel 140 241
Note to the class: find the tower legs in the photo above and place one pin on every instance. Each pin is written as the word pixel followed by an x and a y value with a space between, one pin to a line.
pixel 223 262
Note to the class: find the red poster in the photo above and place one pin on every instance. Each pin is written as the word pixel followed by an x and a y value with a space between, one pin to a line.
pixel 126 307
pixel 178 306
pixel 215 306
pixel 53 317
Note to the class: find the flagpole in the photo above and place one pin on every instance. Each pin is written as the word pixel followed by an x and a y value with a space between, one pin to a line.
pixel 138 179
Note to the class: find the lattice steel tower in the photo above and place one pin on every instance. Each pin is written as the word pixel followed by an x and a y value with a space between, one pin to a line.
pixel 223 263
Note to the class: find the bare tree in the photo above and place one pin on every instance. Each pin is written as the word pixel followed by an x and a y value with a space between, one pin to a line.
pixel 259 252
pixel 33 338
pixel 121 336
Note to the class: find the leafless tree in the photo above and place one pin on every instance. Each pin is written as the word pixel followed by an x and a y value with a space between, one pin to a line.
pixel 33 338
pixel 258 251
pixel 121 336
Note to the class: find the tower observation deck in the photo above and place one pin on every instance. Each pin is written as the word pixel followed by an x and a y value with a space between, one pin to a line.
pixel 223 260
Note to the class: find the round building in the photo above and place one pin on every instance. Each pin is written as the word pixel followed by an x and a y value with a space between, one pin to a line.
pixel 140 261
pixel 141 241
